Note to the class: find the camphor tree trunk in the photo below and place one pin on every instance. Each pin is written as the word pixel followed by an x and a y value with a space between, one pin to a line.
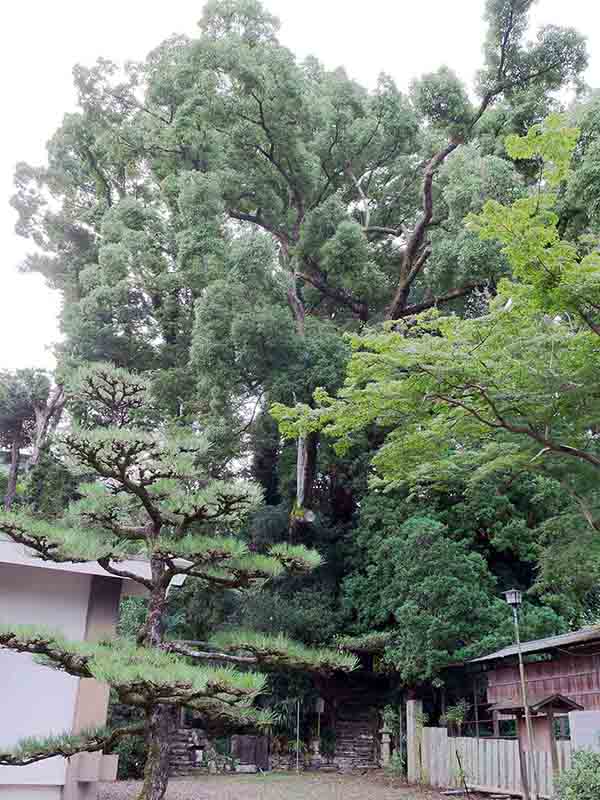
pixel 13 473
pixel 307 445
pixel 47 419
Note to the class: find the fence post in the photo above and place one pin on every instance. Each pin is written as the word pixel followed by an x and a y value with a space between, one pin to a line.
pixel 401 739
pixel 414 729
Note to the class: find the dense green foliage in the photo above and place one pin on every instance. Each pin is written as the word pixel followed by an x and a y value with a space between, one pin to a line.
pixel 250 232
pixel 582 780
pixel 494 414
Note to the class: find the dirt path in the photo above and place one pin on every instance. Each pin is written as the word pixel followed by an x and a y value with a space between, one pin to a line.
pixel 277 786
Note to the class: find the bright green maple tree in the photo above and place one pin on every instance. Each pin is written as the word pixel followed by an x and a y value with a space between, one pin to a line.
pixel 517 382
pixel 511 391
pixel 154 500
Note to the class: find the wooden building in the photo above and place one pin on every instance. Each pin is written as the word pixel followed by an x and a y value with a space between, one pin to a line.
pixel 567 665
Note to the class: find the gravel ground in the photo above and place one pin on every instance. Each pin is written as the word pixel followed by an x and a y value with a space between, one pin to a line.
pixel 276 786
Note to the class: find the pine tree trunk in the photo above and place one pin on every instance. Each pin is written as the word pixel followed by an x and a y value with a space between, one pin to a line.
pixel 158 744
pixel 160 719
pixel 13 474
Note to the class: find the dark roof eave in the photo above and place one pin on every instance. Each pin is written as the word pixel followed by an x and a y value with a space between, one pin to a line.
pixel 581 637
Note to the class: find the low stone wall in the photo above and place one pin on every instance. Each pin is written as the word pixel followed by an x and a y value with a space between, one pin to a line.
pixel 287 762
pixel 192 753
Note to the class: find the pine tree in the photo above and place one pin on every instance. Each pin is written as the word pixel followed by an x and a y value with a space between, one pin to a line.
pixel 151 499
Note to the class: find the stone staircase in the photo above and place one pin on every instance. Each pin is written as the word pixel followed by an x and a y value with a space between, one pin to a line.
pixel 187 746
pixel 355 744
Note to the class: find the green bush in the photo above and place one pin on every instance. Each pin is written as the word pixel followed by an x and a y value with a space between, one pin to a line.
pixel 397 766
pixel 328 741
pixel 582 780
pixel 132 757
pixel 131 749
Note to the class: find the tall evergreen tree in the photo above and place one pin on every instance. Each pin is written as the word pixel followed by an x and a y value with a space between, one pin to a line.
pixel 350 186
pixel 222 214
pixel 152 499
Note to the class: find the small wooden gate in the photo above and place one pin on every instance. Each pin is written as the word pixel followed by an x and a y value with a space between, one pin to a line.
pixel 251 750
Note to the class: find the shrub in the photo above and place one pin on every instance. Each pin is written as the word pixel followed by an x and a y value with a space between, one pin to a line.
pixel 132 757
pixel 397 766
pixel 582 780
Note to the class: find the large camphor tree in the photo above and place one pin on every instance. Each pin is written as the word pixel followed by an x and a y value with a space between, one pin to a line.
pixel 355 190
pixel 510 393
pixel 152 498
pixel 220 214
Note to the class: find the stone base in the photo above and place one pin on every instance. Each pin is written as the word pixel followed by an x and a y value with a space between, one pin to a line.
pixel 246 768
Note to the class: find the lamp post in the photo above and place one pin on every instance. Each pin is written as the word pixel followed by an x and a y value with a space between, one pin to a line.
pixel 514 598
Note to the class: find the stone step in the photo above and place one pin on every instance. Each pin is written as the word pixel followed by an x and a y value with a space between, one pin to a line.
pixel 354 731
pixel 367 741
pixel 363 739
pixel 352 725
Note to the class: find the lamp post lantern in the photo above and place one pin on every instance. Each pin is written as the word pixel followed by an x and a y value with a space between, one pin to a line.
pixel 514 598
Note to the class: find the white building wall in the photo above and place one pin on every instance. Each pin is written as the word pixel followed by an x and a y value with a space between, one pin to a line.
pixel 585 730
pixel 37 700
pixel 31 792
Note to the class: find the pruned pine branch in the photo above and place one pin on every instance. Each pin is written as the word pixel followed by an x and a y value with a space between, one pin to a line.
pixel 125 574
pixel 141 676
pixel 375 642
pixel 49 645
pixel 228 563
pixel 264 651
pixel 280 651
pixel 111 395
pixel 296 558
pixel 239 716
pixel 44 539
pixel 190 650
pixel 51 542
pixel 31 750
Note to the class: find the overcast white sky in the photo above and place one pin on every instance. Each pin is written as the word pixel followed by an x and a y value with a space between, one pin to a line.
pixel 43 40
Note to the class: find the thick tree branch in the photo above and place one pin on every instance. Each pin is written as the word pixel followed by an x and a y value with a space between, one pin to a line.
pixel 500 422
pixel 362 195
pixel 68 746
pixel 184 649
pixel 125 574
pixel 40 645
pixel 316 279
pixel 412 252
pixel 417 308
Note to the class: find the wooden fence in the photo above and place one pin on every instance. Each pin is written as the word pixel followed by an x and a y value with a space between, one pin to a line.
pixel 486 764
